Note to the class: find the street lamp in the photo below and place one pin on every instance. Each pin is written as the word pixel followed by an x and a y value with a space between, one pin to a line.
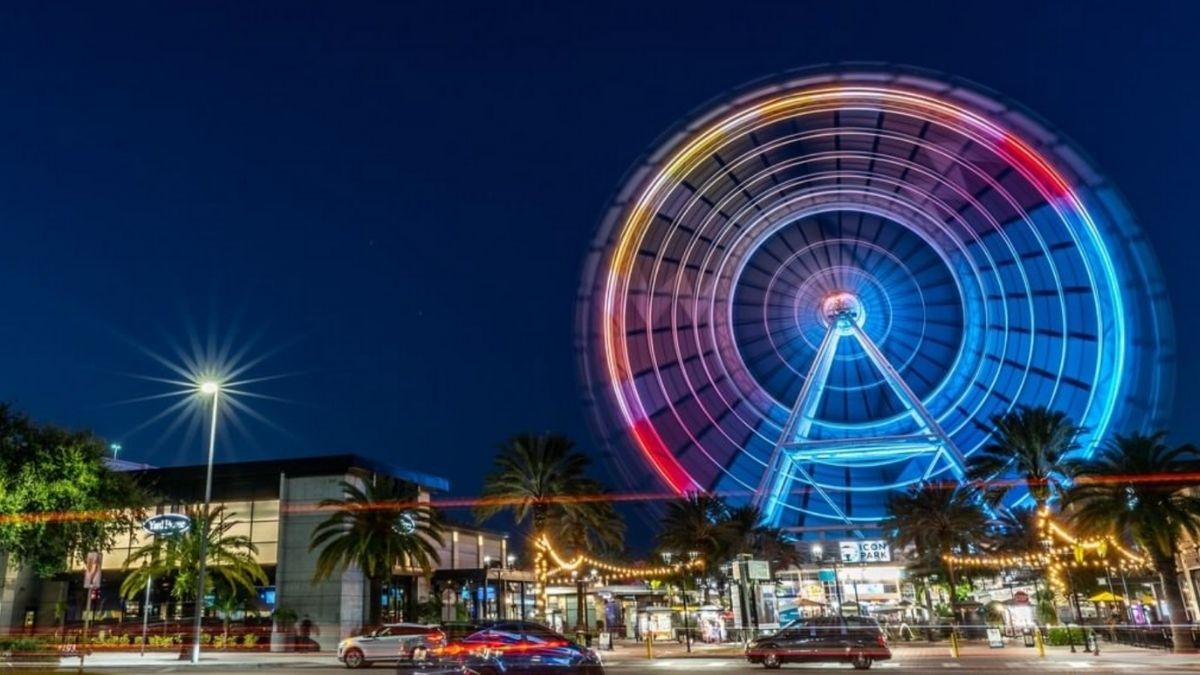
pixel 207 388
pixel 818 554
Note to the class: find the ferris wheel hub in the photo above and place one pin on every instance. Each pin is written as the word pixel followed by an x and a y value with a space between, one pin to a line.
pixel 842 309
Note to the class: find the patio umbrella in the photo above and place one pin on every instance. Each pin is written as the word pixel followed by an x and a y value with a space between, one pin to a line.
pixel 1106 596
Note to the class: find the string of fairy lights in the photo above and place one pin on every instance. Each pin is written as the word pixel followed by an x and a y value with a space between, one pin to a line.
pixel 551 566
pixel 1063 552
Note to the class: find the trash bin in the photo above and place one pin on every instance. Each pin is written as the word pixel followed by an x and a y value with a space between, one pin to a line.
pixel 1027 637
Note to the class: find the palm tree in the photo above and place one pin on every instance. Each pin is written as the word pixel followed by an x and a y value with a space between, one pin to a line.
pixel 231 558
pixel 599 528
pixel 1130 489
pixel 696 522
pixel 937 519
pixel 226 602
pixel 1030 444
pixel 542 479
pixel 745 533
pixel 377 528
pixel 1016 531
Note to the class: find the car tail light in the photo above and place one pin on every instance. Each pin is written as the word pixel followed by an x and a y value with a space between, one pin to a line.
pixel 881 639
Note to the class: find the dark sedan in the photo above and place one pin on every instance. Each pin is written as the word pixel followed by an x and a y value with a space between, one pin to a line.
pixel 856 640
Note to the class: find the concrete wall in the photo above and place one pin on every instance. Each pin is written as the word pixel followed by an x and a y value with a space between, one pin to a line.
pixel 334 605
pixel 19 591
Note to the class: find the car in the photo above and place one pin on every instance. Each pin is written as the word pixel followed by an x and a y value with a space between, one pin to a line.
pixel 403 642
pixel 521 647
pixel 857 640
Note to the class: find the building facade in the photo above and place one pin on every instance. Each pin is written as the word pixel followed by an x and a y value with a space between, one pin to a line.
pixel 276 505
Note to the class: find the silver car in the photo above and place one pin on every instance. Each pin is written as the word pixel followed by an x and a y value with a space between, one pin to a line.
pixel 392 642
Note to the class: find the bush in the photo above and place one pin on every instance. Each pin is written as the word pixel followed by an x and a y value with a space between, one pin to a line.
pixel 27 649
pixel 163 640
pixel 250 639
pixel 1057 636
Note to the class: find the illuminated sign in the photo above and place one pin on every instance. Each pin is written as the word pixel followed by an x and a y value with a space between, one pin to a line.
pixel 864 551
pixel 406 524
pixel 167 524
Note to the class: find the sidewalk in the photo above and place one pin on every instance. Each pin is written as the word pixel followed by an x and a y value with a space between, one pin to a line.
pixel 626 652
pixel 158 659
pixel 629 653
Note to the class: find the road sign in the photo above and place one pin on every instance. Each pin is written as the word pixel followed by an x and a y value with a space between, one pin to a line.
pixel 91 570
pixel 995 641
pixel 167 524
pixel 758 570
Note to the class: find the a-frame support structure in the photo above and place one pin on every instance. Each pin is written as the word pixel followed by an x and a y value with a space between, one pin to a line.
pixel 796 451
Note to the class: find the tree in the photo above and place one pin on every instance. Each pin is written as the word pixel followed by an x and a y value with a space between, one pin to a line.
pixel 1016 532
pixel 937 519
pixel 1137 488
pixel 231 559
pixel 599 528
pixel 378 528
pixel 744 533
pixel 228 601
pixel 1030 445
pixel 542 480
pixel 58 498
pixel 696 522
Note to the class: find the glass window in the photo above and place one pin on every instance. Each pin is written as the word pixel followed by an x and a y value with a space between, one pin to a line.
pixel 266 510
pixel 239 528
pixel 268 553
pixel 267 530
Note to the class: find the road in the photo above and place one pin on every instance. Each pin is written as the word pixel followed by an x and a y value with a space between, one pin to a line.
pixel 630 659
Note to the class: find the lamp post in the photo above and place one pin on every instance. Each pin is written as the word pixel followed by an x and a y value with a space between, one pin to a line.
pixel 591 583
pixel 207 388
pixel 683 592
pixel 687 633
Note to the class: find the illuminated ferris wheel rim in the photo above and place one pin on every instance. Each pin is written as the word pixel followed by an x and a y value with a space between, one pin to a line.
pixel 647 194
pixel 1053 185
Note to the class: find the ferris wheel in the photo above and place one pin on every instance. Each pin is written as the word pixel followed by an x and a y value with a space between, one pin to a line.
pixel 822 289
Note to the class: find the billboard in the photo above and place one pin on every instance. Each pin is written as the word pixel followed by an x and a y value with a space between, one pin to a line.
pixel 865 551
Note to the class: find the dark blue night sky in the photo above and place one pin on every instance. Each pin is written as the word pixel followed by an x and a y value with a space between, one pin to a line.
pixel 396 197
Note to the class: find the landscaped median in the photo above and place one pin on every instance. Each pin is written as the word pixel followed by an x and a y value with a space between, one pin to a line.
pixel 27 650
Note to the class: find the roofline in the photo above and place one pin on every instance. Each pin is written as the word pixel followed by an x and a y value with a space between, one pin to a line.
pixel 304 464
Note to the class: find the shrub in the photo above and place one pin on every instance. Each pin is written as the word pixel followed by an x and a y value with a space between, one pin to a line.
pixel 27 649
pixel 1057 636
pixel 24 645
pixel 250 639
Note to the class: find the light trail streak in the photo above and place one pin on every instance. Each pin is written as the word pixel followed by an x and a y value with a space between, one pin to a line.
pixel 1183 479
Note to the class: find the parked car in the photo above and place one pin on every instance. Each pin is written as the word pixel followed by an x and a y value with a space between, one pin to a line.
pixel 521 647
pixel 856 640
pixel 403 642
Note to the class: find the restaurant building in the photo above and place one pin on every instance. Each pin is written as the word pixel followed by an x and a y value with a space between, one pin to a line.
pixel 275 504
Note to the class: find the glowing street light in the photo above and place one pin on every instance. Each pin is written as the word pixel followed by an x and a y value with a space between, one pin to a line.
pixel 207 388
